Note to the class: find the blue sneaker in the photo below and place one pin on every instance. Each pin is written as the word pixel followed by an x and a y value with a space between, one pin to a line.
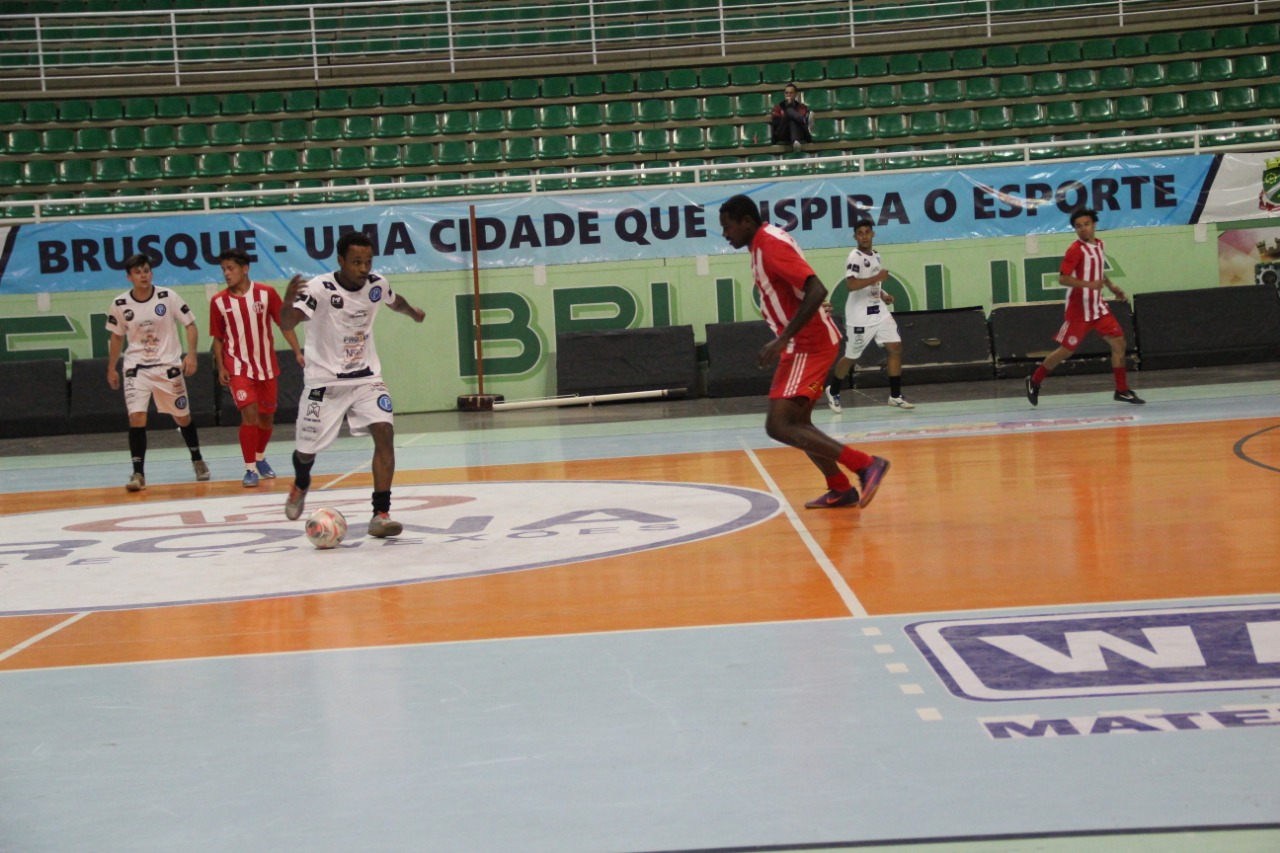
pixel 264 470
pixel 833 499
pixel 871 477
pixel 250 480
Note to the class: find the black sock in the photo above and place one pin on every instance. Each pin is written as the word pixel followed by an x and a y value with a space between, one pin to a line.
pixel 302 472
pixel 382 501
pixel 834 384
pixel 192 439
pixel 895 386
pixel 138 447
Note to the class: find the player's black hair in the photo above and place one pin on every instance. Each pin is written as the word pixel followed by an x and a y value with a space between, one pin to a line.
pixel 740 207
pixel 863 222
pixel 238 255
pixel 132 262
pixel 1083 211
pixel 352 238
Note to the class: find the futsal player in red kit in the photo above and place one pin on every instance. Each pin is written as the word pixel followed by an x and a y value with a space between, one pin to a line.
pixel 1083 273
pixel 240 320
pixel 807 343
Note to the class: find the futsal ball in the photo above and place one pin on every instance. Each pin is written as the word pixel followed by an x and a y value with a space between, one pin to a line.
pixel 326 527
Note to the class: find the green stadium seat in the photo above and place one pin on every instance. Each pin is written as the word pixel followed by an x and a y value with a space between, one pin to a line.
pixel 857 128
pixel 1047 83
pixel 248 164
pixel 91 139
pixel 394 126
pixel 881 96
pixel 554 117
pixel 902 64
pixel 317 159
pixel 384 156
pixel 460 92
pixel 993 118
pixel 1116 77
pixel 39 172
pixel 215 164
pixel 1148 75
pixel 180 166
pixel 428 94
pixel 1002 56
pixel 818 101
pixel 1217 69
pixel 74 171
pixel 1066 51
pixel 947 91
pixel 520 149
pixel 1033 54
pixel 652 80
pixel 826 130
pixel 487 150
pixel 841 68
pixel 650 175
pixel 171 107
pixel 139 109
pixel 110 170
pixel 300 100
pixel 1200 102
pixel 926 123
pixel 620 112
pixel 159 136
pixel 1014 86
pixel 619 83
pixel 1097 50
pixel 587 115
pixel 686 109
pixel 968 59
pixel 1080 81
pixel 1253 65
pixel 718 107
pixel 1163 44
pixel 522 119
pixel 654 111
pixel 620 143
pixel 1196 41
pixel 913 93
pixel 418 154
pixel 556 88
pixel 40 112
pixel 281 160
pixel 654 141
pixel 1097 110
pixel 935 62
pixel 226 133
pixel 873 66
pixel 682 78
pixel 195 135
pixel 849 98
pixel 587 145
pixel 395 97
pixel 777 73
pixel 891 125
pixel 492 91
pixel 267 103
pixel 1182 72
pixel 687 138
pixel 808 71
pixel 1231 38
pixel 1028 115
pixel 293 131
pixel 1062 112
pixel 1235 99
pixel 1167 105
pixel 456 122
pixel 980 88
pixel 358 127
pixel 325 129
pixel 1132 107
pixel 959 121
pixel 723 136
pixel 1129 47
pixel 744 75
pixel 419 124
pixel 71 110
pixel 125 138
pixel 553 147
pixel 490 121
pixel 452 153
pixel 587 85
pixel 11 112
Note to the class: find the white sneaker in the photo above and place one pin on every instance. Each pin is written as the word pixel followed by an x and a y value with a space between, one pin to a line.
pixel 833 402
pixel 901 403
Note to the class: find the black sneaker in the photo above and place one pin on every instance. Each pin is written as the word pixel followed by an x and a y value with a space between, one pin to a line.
pixel 1129 397
pixel 1033 392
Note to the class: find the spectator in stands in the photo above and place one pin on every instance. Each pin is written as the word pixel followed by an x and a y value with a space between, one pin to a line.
pixel 806 345
pixel 343 376
pixel 244 354
pixel 1083 273
pixel 792 121
pixel 867 318
pixel 147 318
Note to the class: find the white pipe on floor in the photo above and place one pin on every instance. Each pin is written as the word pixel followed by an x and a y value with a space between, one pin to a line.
pixel 587 401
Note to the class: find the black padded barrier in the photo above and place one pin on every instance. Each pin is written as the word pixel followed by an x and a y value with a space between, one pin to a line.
pixel 289 385
pixel 35 398
pixel 97 407
pixel 733 353
pixel 1208 326
pixel 619 361
pixel 948 345
pixel 1022 335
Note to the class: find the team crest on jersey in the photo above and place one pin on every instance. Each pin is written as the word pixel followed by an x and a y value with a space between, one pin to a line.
pixel 384 402
pixel 181 402
pixel 128 314
pixel 161 310
pixel 375 293
pixel 1073 340
pixel 259 308
pixel 336 301
pixel 241 394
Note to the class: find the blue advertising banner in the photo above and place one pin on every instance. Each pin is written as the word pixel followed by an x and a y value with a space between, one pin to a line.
pixel 913 207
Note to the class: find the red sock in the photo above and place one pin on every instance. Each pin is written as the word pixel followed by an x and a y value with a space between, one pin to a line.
pixel 1122 382
pixel 248 438
pixel 839 483
pixel 854 460
pixel 1039 375
pixel 264 438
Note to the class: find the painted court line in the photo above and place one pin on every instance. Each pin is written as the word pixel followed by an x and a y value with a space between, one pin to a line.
pixel 842 588
pixel 48 632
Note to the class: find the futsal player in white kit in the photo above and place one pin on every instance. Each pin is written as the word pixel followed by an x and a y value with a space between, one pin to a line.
pixel 147 317
pixel 867 319
pixel 342 376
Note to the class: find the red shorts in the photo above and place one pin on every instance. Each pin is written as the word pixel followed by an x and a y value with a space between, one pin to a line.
pixel 1073 332
pixel 246 392
pixel 802 374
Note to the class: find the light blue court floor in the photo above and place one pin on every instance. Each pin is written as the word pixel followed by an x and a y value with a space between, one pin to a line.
pixel 1132 726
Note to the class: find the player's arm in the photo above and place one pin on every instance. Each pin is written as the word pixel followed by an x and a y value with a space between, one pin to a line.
pixel 291 316
pixel 224 378
pixel 855 283
pixel 1071 263
pixel 815 293
pixel 292 337
pixel 401 306
pixel 113 355
pixel 193 340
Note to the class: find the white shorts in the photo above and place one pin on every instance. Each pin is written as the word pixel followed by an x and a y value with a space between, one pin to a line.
pixel 165 384
pixel 884 332
pixel 322 409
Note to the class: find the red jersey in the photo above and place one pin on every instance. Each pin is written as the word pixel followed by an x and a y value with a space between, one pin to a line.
pixel 243 324
pixel 780 271
pixel 1086 262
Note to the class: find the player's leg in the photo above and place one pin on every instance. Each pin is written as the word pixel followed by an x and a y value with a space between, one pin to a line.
pixel 267 394
pixel 169 389
pixel 890 339
pixel 1069 336
pixel 320 414
pixel 371 412
pixel 1115 339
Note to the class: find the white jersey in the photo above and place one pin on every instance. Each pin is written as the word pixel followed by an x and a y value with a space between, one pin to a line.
pixel 150 327
pixel 339 349
pixel 864 307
